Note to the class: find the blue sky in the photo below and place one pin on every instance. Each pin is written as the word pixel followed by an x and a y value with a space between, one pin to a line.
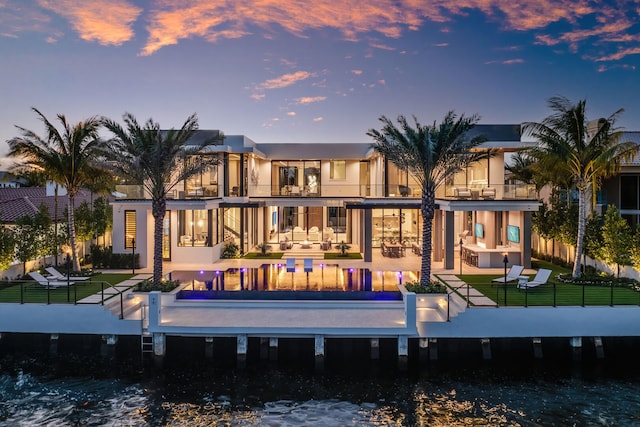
pixel 315 71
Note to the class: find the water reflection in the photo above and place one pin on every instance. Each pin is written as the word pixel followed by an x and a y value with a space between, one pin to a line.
pixel 274 277
pixel 203 396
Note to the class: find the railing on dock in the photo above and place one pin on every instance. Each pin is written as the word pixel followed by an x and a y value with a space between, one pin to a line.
pixel 556 294
pixel 78 292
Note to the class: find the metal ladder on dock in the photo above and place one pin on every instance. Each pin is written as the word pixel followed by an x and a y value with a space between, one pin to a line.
pixel 146 339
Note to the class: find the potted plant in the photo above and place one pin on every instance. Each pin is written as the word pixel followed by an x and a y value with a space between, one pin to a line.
pixel 264 248
pixel 343 248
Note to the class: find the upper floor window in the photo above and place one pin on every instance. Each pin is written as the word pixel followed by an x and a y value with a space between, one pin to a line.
pixel 338 169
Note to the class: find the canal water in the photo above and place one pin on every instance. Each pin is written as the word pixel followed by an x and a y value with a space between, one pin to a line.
pixel 84 390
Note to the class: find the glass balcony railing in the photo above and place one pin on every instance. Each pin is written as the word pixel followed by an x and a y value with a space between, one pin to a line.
pixel 453 192
pixel 488 192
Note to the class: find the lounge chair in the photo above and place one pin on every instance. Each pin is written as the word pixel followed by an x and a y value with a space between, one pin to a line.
pixel 308 265
pixel 541 278
pixel 56 275
pixel 291 265
pixel 514 273
pixel 47 283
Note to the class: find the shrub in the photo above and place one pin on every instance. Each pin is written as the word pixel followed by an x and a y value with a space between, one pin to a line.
pixel 433 288
pixel 230 250
pixel 343 248
pixel 105 258
pixel 264 248
pixel 165 286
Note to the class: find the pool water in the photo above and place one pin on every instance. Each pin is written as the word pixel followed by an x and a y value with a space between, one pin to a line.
pixel 275 277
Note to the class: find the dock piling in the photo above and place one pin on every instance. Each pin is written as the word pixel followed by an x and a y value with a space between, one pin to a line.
pixel 576 348
pixel 208 348
pixel 241 350
pixel 486 348
pixel 319 351
pixel 375 348
pixel 537 348
pixel 403 352
pixel 597 341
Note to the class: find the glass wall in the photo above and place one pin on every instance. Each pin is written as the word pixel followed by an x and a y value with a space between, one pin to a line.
pixel 295 178
pixel 194 228
pixel 396 226
pixel 204 184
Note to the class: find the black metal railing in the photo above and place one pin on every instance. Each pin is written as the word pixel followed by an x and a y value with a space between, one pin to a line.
pixel 78 292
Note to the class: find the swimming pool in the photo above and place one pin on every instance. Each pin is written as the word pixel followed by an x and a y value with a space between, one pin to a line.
pixel 275 277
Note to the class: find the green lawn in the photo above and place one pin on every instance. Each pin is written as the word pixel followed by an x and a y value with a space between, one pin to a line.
pixel 31 292
pixel 545 295
pixel 258 255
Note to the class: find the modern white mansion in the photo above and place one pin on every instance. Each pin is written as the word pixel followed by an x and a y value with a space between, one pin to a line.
pixel 317 195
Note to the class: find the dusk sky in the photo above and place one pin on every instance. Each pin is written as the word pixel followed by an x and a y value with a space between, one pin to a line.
pixel 314 71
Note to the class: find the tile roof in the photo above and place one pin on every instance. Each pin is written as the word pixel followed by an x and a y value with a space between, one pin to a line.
pixel 16 202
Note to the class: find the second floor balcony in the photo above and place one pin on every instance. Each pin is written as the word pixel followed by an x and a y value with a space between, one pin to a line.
pixel 451 192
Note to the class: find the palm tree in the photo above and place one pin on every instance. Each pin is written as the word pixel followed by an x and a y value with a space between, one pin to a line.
pixel 156 159
pixel 567 142
pixel 66 157
pixel 431 154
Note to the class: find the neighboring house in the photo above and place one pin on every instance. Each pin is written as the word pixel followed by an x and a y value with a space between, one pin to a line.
pixel 17 202
pixel 8 180
pixel 309 194
pixel 623 190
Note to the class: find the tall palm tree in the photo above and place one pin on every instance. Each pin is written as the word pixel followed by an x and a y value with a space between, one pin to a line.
pixel 155 159
pixel 431 154
pixel 66 156
pixel 567 142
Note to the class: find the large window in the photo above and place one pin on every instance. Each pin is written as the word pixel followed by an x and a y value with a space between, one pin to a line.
pixel 295 178
pixel 129 229
pixel 204 184
pixel 338 169
pixel 194 228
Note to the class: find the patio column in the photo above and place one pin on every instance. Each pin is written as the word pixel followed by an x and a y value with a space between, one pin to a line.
pixel 449 240
pixel 367 235
pixel 525 245
pixel 437 236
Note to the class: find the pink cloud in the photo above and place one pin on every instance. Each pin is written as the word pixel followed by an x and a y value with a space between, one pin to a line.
pixel 108 22
pixel 284 80
pixel 310 100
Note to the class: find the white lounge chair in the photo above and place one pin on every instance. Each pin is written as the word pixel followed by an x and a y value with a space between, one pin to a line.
pixel 308 265
pixel 542 276
pixel 291 265
pixel 514 273
pixel 56 275
pixel 47 283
